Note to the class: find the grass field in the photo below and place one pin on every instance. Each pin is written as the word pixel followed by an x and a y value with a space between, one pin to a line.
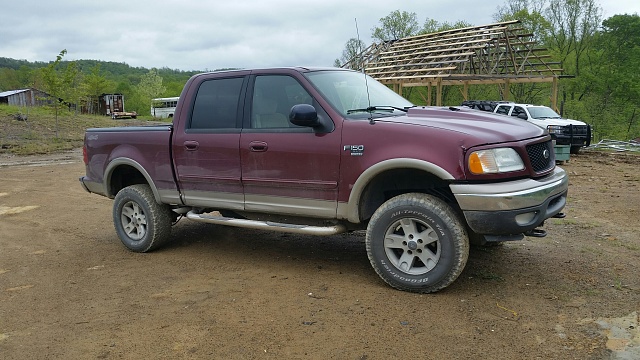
pixel 40 133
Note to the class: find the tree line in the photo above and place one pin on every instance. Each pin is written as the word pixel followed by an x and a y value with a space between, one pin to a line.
pixel 81 82
pixel 602 55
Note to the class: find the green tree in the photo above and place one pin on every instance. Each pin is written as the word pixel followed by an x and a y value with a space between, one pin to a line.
pixel 613 77
pixel 72 92
pixel 149 87
pixel 351 54
pixel 396 25
pixel 573 24
pixel 529 13
pixel 95 84
pixel 433 26
pixel 53 84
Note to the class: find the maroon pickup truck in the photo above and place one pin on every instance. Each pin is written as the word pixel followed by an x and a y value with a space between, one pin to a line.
pixel 323 151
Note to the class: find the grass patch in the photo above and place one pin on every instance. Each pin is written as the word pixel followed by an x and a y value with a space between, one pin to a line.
pixel 40 133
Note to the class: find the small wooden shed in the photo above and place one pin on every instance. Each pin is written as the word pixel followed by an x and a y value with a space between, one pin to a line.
pixel 25 97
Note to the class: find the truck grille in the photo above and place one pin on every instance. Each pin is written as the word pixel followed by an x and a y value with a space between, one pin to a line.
pixel 537 157
pixel 575 130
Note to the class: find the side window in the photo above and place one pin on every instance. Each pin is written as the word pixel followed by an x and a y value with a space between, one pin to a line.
pixel 504 110
pixel 519 112
pixel 216 104
pixel 273 98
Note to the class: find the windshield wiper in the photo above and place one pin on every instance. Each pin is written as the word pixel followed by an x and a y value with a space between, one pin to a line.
pixel 388 108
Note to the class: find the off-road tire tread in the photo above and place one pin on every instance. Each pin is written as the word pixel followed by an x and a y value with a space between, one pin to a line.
pixel 159 217
pixel 446 215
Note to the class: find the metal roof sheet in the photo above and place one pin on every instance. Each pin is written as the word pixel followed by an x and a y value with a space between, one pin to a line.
pixel 12 92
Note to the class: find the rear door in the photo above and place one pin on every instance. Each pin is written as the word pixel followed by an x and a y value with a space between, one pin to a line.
pixel 205 151
pixel 286 169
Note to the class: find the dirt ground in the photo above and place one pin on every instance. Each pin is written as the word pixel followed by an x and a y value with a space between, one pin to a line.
pixel 69 289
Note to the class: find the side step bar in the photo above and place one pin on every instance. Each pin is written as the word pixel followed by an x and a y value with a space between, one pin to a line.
pixel 267 225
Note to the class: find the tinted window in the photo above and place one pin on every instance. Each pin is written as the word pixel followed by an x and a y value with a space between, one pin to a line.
pixel 518 111
pixel 504 110
pixel 216 104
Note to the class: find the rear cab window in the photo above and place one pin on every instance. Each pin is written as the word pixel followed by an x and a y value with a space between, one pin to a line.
pixel 216 104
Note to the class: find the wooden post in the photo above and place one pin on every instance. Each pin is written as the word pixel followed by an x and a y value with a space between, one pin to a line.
pixel 554 94
pixel 429 94
pixel 465 91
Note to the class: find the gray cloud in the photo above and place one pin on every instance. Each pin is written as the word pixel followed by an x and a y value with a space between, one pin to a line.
pixel 198 35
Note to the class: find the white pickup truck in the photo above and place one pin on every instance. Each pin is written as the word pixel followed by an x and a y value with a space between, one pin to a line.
pixel 575 133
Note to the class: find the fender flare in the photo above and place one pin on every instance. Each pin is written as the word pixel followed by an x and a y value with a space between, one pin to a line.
pixel 126 161
pixel 353 206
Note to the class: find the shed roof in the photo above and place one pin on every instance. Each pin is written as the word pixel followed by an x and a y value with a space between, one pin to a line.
pixel 12 92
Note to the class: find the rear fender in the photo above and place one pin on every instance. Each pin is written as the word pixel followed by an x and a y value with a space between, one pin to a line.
pixel 121 161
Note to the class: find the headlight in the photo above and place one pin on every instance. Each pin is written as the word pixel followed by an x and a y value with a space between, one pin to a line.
pixel 493 161
pixel 555 129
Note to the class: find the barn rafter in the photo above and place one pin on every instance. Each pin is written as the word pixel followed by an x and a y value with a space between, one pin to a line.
pixel 501 53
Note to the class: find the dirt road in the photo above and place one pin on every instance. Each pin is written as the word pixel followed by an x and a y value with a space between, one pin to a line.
pixel 69 289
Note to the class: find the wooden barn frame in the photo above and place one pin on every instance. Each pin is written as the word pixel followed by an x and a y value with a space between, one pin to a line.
pixel 502 54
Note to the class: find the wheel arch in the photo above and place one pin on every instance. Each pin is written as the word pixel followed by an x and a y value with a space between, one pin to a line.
pixel 394 177
pixel 123 172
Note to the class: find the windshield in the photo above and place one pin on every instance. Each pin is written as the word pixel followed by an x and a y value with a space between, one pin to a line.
pixel 347 93
pixel 542 112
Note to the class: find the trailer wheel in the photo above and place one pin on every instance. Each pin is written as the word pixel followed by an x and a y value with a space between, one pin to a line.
pixel 141 223
pixel 416 242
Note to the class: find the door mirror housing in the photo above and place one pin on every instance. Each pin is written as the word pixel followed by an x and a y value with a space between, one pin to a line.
pixel 304 115
pixel 523 116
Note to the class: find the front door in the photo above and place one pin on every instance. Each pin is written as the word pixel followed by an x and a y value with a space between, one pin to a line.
pixel 287 169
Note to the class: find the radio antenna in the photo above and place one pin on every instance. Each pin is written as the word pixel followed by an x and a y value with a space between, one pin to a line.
pixel 361 64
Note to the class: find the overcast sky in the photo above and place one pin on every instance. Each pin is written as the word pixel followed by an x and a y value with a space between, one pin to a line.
pixel 208 35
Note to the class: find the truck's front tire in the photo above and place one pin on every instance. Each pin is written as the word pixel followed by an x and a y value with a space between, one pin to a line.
pixel 416 242
pixel 141 223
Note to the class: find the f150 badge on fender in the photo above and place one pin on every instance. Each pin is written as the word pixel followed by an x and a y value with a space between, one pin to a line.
pixel 356 150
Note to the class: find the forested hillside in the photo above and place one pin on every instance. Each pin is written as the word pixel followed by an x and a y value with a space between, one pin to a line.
pixel 86 79
pixel 600 55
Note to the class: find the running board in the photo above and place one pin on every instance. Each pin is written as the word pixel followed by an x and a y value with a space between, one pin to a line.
pixel 267 225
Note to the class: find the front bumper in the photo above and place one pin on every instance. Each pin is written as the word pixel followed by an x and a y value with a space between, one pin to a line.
pixel 513 207
pixel 578 135
pixel 573 141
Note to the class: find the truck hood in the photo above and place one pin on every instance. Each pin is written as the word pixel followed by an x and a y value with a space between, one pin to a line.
pixel 556 121
pixel 482 126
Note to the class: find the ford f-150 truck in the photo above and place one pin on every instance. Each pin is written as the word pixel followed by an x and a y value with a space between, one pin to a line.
pixel 576 134
pixel 322 151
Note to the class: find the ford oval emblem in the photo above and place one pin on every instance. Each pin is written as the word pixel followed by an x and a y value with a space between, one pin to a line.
pixel 545 153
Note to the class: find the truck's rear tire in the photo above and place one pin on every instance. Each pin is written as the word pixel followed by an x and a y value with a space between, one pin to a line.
pixel 141 223
pixel 416 242
pixel 575 150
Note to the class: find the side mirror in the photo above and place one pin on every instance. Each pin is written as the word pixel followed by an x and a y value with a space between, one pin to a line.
pixel 304 115
pixel 523 116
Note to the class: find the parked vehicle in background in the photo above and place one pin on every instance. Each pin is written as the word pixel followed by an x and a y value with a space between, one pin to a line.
pixel 113 105
pixel 323 151
pixel 574 133
pixel 164 107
